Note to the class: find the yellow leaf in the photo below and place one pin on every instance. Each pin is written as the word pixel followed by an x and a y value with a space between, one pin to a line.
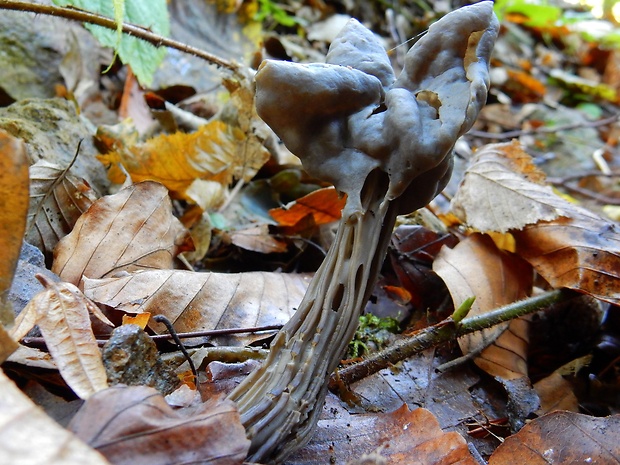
pixel 141 319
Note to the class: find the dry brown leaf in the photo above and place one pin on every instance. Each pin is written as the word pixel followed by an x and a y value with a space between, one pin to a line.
pixel 477 268
pixel 203 301
pixel 13 210
pixel 581 252
pixel 325 205
pixel 28 436
pixel 257 239
pixel 133 229
pixel 500 191
pixel 402 437
pixel 7 344
pixel 562 438
pixel 57 199
pixel 63 315
pixel 135 426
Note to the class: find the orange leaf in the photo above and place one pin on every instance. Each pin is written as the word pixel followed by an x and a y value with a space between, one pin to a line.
pixel 141 319
pixel 325 205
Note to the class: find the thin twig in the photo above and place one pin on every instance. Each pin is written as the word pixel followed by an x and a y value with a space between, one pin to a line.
pixel 166 322
pixel 109 23
pixel 443 332
pixel 544 129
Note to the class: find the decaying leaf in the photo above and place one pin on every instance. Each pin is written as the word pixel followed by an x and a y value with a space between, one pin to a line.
pixel 176 160
pixel 135 426
pixel 57 199
pixel 400 437
pixel 62 313
pixel 133 229
pixel 13 209
pixel 500 191
pixel 556 393
pixel 562 438
pixel 325 206
pixel 29 436
pixel 7 344
pixel 477 268
pixel 203 301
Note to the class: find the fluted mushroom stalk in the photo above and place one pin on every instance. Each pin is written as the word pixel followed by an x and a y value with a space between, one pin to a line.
pixel 387 144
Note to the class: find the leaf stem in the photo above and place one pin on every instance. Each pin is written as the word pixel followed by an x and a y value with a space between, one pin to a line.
pixel 442 332
pixel 109 23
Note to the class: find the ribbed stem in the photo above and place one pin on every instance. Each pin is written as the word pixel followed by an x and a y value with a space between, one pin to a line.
pixel 281 401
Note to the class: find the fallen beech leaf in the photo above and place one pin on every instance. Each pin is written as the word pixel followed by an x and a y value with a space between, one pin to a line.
pixel 29 436
pixel 325 206
pixel 476 267
pixel 402 437
pixel 62 313
pixel 135 426
pixel 562 438
pixel 500 191
pixel 581 252
pixel 7 345
pixel 555 393
pixel 257 239
pixel 57 199
pixel 131 230
pixel 204 301
pixel 13 210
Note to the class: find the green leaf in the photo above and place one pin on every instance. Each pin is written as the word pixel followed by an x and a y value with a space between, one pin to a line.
pixel 143 57
pixel 539 14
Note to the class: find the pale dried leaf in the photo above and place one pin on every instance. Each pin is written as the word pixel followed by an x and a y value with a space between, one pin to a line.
pixel 497 195
pixel 203 301
pixel 131 230
pixel 57 199
pixel 63 318
pixel 556 393
pixel 257 239
pixel 13 209
pixel 29 437
pixel 135 426
pixel 32 357
pixel 7 344
pixel 562 438
pixel 477 268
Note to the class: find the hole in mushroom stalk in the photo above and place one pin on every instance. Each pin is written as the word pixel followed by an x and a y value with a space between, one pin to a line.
pixel 351 122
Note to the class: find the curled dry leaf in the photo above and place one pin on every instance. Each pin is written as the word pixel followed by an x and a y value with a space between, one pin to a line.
pixel 135 426
pixel 57 199
pixel 567 245
pixel 133 229
pixel 400 437
pixel 561 438
pixel 62 313
pixel 13 209
pixel 477 268
pixel 29 436
pixel 203 301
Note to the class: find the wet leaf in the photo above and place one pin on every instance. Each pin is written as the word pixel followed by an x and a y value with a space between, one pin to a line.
pixel 325 205
pixel 476 267
pixel 57 199
pixel 561 438
pixel 29 436
pixel 131 230
pixel 63 315
pixel 135 426
pixel 400 437
pixel 203 301
pixel 13 210
pixel 500 191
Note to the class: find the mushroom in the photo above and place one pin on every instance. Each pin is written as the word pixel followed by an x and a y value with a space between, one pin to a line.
pixel 386 143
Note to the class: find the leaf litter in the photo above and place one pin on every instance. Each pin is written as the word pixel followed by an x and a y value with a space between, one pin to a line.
pixel 566 245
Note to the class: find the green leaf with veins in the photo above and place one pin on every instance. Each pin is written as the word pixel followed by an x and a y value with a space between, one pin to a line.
pixel 143 57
